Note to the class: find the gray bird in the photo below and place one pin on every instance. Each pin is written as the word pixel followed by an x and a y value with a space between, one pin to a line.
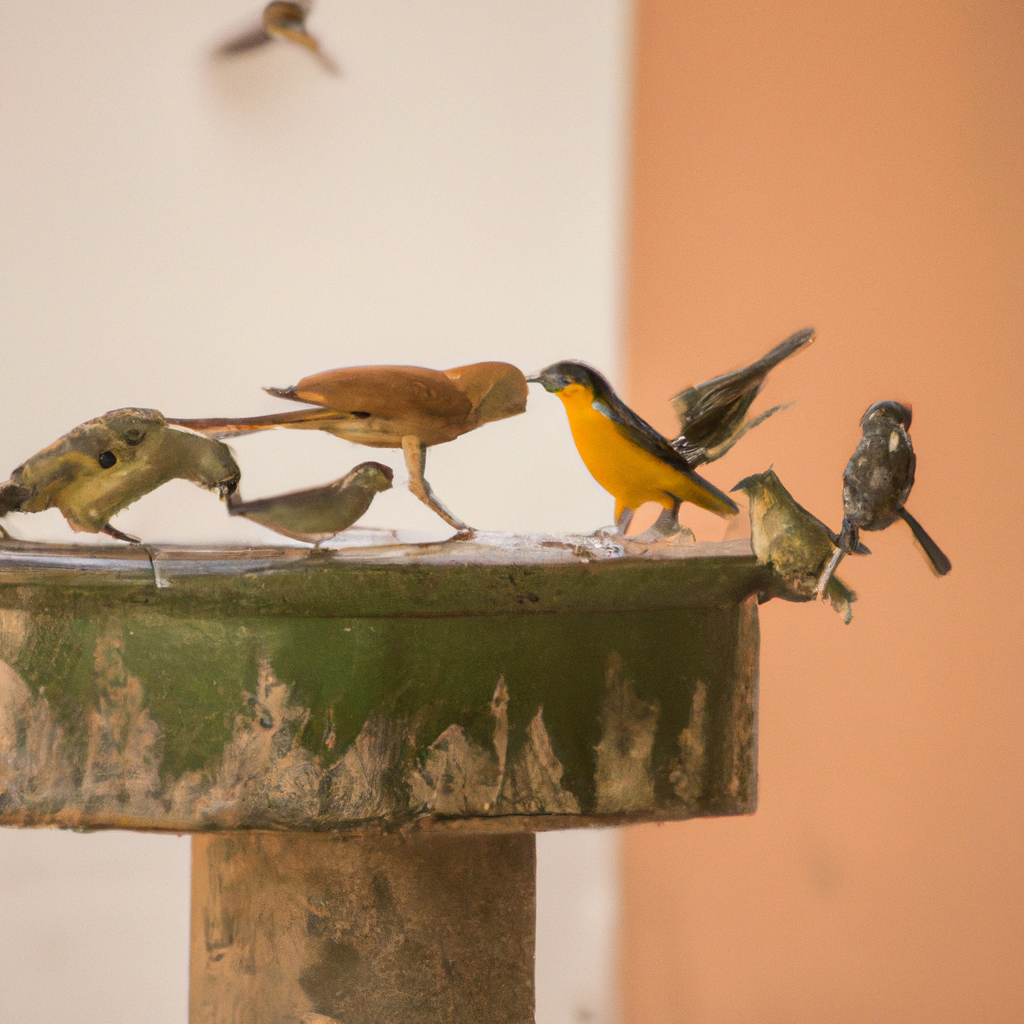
pixel 711 414
pixel 876 484
pixel 796 544
pixel 102 466
pixel 319 513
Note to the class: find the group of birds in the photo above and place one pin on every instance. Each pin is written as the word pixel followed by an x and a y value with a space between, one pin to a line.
pixel 104 465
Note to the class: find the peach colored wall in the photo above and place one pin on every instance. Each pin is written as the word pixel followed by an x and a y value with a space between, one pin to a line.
pixel 856 166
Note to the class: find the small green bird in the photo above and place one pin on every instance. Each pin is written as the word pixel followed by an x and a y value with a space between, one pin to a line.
pixel 796 544
pixel 624 453
pixel 711 414
pixel 877 482
pixel 282 19
pixel 102 466
pixel 318 513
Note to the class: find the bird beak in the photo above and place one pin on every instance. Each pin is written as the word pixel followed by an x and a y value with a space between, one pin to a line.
pixel 227 487
pixel 553 382
pixel 747 481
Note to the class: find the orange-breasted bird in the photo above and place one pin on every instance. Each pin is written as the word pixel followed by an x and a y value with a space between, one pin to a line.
pixel 876 484
pixel 102 466
pixel 282 19
pixel 405 407
pixel 625 454
pixel 711 414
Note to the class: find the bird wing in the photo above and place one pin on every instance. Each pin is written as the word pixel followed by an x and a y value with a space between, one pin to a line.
pixel 250 40
pixel 642 434
pixel 727 397
pixel 389 392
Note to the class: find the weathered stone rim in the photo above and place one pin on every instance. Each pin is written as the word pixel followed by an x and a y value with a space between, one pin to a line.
pixel 540 575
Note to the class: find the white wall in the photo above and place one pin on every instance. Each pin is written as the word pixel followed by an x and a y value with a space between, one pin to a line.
pixel 178 233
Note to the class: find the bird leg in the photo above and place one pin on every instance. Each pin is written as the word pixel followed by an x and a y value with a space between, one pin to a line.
pixel 625 517
pixel 113 531
pixel 667 522
pixel 826 576
pixel 415 462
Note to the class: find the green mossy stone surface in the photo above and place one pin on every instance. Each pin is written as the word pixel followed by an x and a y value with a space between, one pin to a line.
pixel 250 689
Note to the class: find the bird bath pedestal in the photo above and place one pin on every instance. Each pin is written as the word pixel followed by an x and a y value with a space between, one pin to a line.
pixel 363 741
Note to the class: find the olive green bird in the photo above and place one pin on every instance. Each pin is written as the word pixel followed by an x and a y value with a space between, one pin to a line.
pixel 711 414
pixel 796 544
pixel 102 466
pixel 318 513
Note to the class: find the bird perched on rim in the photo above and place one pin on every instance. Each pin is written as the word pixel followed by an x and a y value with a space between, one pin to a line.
pixel 877 482
pixel 405 407
pixel 796 544
pixel 102 466
pixel 625 454
pixel 318 513
pixel 711 414
pixel 282 19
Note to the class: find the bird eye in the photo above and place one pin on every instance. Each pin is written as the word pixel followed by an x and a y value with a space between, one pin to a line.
pixel 107 459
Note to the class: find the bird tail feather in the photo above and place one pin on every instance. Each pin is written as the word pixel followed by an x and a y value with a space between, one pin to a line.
pixel 939 562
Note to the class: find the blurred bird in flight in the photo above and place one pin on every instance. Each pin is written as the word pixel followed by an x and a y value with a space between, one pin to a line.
pixel 318 513
pixel 102 466
pixel 282 19
pixel 405 407
pixel 625 454
pixel 711 414
pixel 876 484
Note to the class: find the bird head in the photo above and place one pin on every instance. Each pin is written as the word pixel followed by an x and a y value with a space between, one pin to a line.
pixel 373 475
pixel 885 415
pixel 569 377
pixel 758 482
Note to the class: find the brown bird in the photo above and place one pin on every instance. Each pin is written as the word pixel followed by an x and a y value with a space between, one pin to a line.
pixel 405 407
pixel 282 19
pixel 876 484
pixel 318 513
pixel 711 414
pixel 101 467
pixel 795 543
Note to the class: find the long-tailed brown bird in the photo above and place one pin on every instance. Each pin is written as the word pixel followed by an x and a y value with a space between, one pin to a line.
pixel 282 19
pixel 405 407
pixel 318 513
pixel 796 544
pixel 102 466
pixel 877 482
pixel 711 414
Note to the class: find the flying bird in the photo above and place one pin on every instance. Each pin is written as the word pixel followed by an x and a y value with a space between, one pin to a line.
pixel 102 466
pixel 625 454
pixel 318 513
pixel 282 19
pixel 405 407
pixel 796 544
pixel 711 414
pixel 877 482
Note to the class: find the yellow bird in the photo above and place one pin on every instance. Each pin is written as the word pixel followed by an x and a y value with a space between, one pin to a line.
pixel 625 454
